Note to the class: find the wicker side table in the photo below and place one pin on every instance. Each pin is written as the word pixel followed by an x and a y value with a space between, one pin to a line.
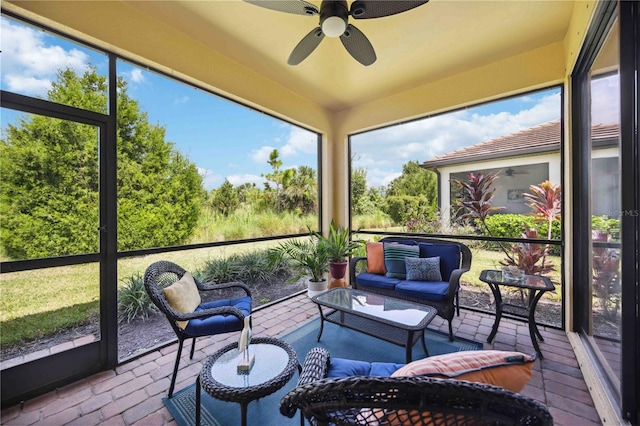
pixel 275 364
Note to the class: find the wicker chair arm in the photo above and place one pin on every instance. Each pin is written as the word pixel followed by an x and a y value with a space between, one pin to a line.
pixel 222 310
pixel 223 286
pixel 353 265
pixel 368 400
pixel 454 281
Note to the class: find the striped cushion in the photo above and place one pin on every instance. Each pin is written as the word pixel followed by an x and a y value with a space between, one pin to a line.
pixel 394 255
pixel 510 370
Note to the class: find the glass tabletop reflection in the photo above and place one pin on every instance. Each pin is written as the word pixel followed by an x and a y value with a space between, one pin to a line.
pixel 375 305
pixel 270 361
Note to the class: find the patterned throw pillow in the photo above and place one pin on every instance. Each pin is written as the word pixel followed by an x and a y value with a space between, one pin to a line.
pixel 183 296
pixel 423 269
pixel 510 370
pixel 394 255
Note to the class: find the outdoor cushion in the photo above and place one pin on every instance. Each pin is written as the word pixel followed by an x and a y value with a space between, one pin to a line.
pixel 423 269
pixel 375 280
pixel 183 296
pixel 510 370
pixel 423 289
pixel 449 256
pixel 219 323
pixel 394 255
pixel 375 258
pixel 340 367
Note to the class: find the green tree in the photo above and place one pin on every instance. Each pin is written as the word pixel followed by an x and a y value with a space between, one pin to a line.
pixel 358 189
pixel 300 190
pixel 413 194
pixel 277 177
pixel 49 191
pixel 415 181
pixel 225 198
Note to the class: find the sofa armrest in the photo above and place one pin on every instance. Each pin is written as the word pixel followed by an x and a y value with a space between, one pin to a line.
pixel 315 367
pixel 353 266
pixel 454 281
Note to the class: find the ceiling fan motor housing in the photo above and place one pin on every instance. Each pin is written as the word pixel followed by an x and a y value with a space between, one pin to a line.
pixel 333 17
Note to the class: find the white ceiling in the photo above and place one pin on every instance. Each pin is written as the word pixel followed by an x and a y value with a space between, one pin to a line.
pixel 438 39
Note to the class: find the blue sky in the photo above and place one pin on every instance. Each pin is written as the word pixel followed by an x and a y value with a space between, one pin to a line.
pixel 227 140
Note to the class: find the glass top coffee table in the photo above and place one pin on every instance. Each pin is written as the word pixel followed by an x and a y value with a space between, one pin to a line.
pixel 275 363
pixel 397 321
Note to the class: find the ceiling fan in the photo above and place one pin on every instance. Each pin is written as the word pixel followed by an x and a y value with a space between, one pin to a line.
pixel 511 172
pixel 334 16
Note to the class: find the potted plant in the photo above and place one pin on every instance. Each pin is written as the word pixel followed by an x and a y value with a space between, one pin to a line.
pixel 310 257
pixel 339 247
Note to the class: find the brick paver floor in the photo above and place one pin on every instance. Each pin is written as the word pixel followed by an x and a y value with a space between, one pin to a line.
pixel 131 394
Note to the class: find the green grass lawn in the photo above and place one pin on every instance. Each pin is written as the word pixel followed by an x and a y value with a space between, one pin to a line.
pixel 39 302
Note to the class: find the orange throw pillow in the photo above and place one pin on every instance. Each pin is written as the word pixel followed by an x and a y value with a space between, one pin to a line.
pixel 375 258
pixel 510 370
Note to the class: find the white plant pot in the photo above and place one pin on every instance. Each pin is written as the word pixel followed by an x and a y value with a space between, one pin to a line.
pixel 316 287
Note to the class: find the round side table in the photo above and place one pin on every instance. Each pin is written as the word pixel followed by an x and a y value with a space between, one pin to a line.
pixel 275 363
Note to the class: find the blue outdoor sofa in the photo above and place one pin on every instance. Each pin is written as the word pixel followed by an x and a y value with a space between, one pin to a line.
pixel 440 293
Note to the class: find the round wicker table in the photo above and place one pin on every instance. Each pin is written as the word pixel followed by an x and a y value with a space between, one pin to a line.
pixel 275 363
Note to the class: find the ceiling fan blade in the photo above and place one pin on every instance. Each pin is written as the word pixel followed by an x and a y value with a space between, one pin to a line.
pixel 297 7
pixel 368 9
pixel 358 45
pixel 307 45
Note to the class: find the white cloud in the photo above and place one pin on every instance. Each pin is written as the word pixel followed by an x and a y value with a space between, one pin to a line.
pixel 181 101
pixel 136 75
pixel 605 100
pixel 261 155
pixel 240 179
pixel 299 141
pixel 29 63
pixel 383 152
pixel 210 180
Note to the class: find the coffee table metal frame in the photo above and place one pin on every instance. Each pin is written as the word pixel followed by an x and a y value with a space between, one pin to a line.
pixel 398 333
pixel 536 285
pixel 245 394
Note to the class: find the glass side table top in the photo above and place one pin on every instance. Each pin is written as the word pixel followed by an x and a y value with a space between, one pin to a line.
pixel 270 361
pixel 531 282
pixel 378 306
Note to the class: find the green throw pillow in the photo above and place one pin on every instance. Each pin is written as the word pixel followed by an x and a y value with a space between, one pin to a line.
pixel 394 258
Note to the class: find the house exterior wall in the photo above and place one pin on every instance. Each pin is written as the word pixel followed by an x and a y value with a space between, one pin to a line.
pixel 549 162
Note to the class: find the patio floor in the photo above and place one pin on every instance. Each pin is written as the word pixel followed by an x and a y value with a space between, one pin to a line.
pixel 131 394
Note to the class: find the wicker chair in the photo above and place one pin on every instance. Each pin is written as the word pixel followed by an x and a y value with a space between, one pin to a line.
pixel 366 400
pixel 218 316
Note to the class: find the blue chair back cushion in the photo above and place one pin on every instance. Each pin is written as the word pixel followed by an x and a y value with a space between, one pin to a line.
pixel 219 323
pixel 449 256
pixel 375 280
pixel 424 289
pixel 340 367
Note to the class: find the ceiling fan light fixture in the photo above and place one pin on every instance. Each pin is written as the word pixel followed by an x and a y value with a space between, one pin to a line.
pixel 334 26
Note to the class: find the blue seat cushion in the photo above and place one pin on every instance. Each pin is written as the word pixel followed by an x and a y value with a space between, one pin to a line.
pixel 217 324
pixel 427 290
pixel 449 256
pixel 375 280
pixel 341 367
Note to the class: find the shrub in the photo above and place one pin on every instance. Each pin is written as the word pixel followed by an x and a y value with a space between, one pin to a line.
pixel 509 225
pixel 250 268
pixel 133 300
pixel 605 224
pixel 405 207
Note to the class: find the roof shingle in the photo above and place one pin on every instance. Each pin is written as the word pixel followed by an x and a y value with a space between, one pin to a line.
pixel 536 140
